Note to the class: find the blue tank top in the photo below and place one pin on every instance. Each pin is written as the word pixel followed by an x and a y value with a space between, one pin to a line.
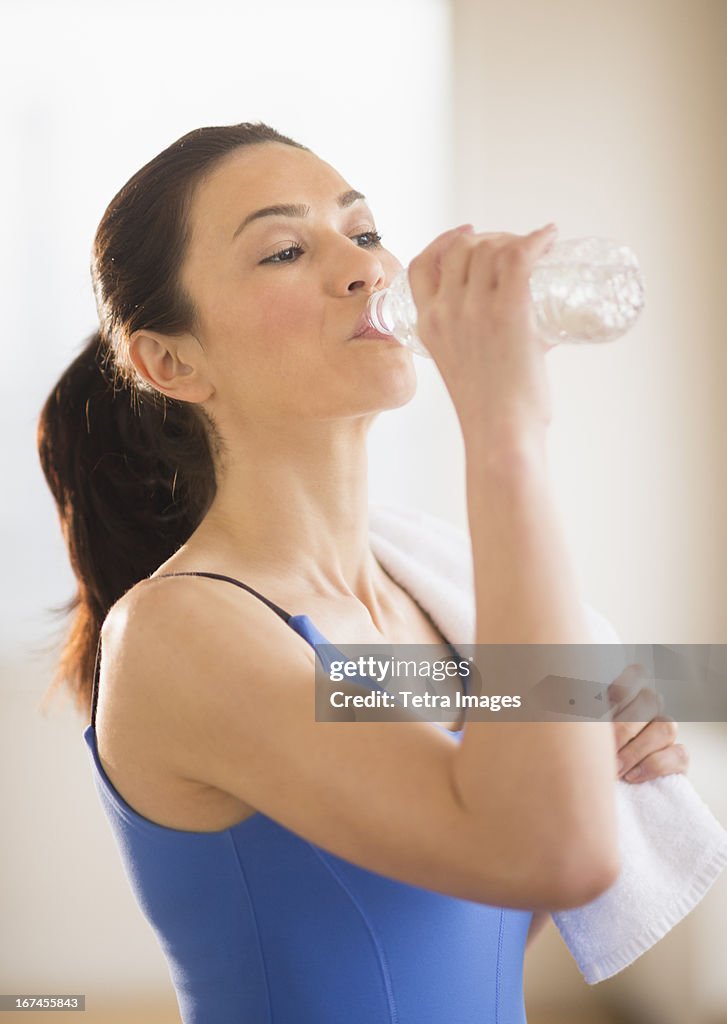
pixel 260 926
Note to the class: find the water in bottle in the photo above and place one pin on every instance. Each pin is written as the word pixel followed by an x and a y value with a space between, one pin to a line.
pixel 583 289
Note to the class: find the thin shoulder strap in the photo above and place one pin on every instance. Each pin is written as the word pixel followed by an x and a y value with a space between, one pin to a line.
pixel 218 576
pixel 94 698
pixel 285 616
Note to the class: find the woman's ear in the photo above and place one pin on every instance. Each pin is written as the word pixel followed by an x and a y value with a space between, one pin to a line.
pixel 175 365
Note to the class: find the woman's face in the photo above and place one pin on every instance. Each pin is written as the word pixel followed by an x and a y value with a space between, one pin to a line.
pixel 280 295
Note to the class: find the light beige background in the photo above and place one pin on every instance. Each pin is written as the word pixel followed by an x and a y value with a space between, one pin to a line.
pixel 609 119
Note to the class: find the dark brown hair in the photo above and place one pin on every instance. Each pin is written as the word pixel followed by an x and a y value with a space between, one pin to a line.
pixel 132 472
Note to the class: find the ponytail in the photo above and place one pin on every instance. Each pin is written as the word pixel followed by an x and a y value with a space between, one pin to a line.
pixel 132 475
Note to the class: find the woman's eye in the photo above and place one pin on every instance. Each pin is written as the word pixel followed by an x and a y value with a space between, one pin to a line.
pixel 373 236
pixel 288 255
pixel 371 239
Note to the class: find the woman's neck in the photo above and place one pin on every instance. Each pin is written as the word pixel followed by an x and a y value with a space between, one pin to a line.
pixel 295 503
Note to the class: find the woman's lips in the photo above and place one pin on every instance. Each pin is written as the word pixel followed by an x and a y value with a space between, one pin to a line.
pixel 364 329
pixel 373 333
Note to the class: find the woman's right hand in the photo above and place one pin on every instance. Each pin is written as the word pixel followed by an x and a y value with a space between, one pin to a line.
pixel 476 318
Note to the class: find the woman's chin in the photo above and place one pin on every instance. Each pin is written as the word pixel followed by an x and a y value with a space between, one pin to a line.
pixel 399 386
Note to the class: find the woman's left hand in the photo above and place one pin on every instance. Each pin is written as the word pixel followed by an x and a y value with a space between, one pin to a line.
pixel 644 749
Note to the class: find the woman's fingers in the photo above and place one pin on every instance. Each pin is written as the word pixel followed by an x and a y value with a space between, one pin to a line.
pixel 425 269
pixel 484 259
pixel 670 760
pixel 644 736
pixel 655 735
pixel 632 700
pixel 514 263
pixel 461 255
pixel 631 718
pixel 456 262
pixel 474 314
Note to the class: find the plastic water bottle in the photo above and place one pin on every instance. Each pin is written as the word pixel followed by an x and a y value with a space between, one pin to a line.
pixel 583 289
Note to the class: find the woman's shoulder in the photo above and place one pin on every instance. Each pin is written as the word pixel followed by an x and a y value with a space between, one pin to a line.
pixel 155 665
pixel 165 636
pixel 179 613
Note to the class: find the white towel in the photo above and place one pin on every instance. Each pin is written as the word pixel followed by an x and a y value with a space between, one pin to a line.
pixel 672 847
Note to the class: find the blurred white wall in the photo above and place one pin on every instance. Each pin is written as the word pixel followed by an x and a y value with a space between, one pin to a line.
pixel 88 93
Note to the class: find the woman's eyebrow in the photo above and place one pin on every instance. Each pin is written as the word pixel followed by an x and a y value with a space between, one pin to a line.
pixel 295 209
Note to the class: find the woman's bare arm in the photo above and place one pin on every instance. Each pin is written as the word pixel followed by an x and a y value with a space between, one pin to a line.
pixel 475 311
pixel 526 593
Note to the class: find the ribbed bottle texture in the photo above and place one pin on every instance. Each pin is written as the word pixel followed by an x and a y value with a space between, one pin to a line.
pixel 583 289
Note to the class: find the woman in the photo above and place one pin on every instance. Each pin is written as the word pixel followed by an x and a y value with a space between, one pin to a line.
pixel 296 871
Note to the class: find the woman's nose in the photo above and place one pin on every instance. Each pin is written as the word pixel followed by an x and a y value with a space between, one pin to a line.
pixel 365 272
